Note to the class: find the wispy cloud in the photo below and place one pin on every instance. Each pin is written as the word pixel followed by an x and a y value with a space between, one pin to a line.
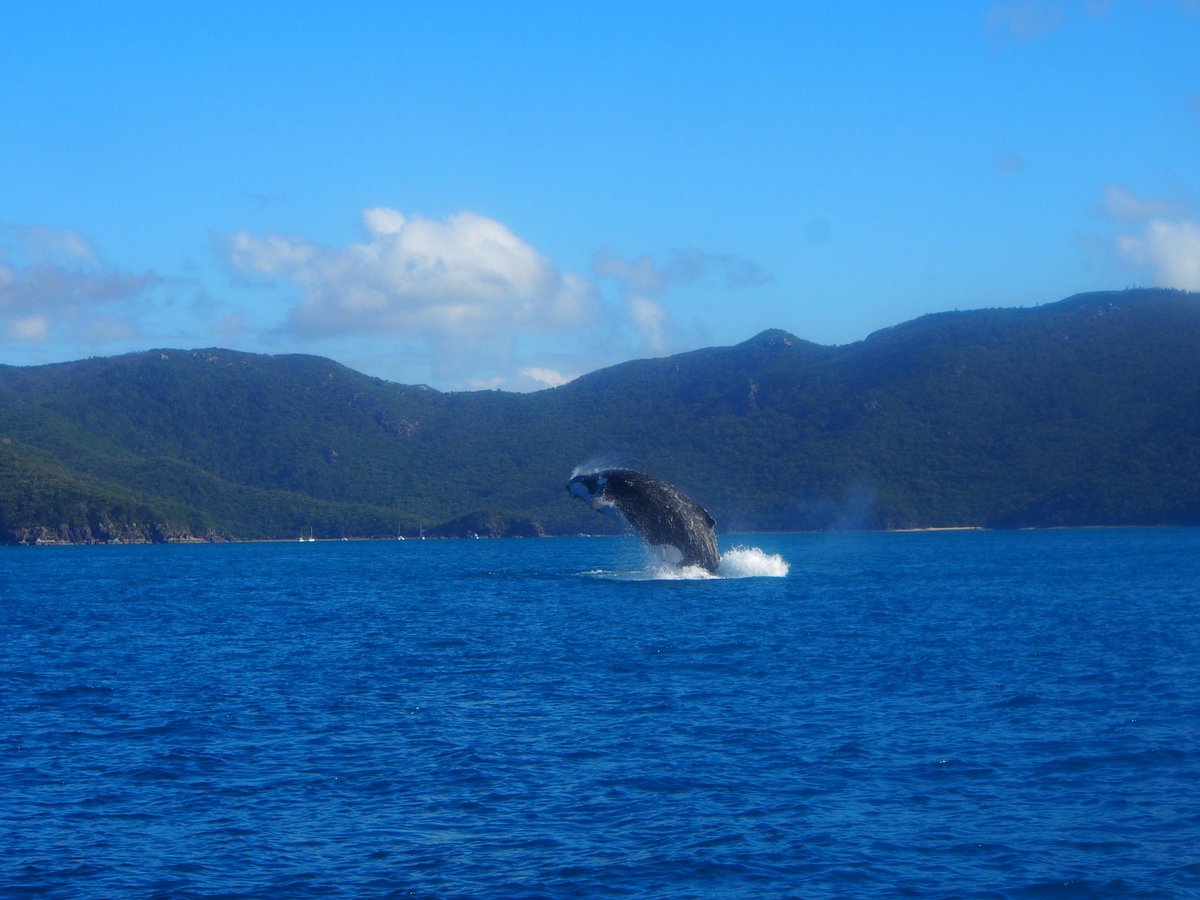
pixel 1019 21
pixel 642 282
pixel 1170 248
pixel 1007 163
pixel 53 283
pixel 547 377
pixel 467 276
pixel 1166 241
pixel 1125 206
pixel 1023 20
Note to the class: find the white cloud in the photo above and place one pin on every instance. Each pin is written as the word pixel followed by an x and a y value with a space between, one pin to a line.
pixel 1170 247
pixel 1166 242
pixel 380 220
pixel 548 377
pixel 651 319
pixel 642 282
pixel 53 283
pixel 270 256
pixel 467 276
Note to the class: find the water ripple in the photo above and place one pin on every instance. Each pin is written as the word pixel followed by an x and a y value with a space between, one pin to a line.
pixel 969 715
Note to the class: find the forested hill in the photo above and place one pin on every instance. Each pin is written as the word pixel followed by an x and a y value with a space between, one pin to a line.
pixel 1081 412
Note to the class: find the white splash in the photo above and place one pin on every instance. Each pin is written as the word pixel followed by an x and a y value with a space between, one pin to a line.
pixel 738 562
pixel 669 572
pixel 751 562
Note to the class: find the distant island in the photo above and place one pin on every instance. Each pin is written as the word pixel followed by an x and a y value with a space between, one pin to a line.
pixel 1081 412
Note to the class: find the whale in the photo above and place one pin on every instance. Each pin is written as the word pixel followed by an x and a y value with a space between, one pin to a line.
pixel 659 512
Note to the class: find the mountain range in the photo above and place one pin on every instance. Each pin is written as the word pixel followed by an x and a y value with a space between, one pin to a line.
pixel 1080 412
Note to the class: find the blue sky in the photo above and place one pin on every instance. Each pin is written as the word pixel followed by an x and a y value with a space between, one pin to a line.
pixel 507 195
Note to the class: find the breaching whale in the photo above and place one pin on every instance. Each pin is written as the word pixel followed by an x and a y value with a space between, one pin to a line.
pixel 661 513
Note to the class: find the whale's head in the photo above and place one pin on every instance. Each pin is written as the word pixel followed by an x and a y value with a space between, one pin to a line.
pixel 589 487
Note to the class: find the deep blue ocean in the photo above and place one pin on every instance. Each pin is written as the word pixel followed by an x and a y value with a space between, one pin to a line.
pixel 951 714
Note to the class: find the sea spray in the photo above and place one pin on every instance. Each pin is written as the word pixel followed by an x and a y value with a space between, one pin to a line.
pixel 737 562
pixel 751 562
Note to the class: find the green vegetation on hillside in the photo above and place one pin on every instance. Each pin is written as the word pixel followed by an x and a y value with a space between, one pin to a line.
pixel 1081 412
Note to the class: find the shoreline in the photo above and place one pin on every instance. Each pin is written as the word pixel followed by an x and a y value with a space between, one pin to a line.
pixel 932 529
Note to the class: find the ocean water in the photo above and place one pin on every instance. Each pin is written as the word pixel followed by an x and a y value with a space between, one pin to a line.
pixel 965 714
